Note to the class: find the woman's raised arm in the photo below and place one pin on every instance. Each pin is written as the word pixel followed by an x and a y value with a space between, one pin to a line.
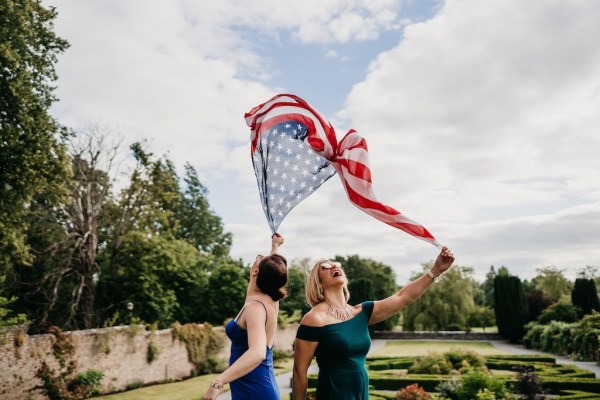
pixel 388 307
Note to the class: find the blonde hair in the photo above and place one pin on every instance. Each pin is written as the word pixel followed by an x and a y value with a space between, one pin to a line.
pixel 315 296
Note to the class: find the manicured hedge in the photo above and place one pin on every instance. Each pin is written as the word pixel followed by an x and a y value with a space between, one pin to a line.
pixel 393 363
pixel 555 378
pixel 577 395
pixel 555 385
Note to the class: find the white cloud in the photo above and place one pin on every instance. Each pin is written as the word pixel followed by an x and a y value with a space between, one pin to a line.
pixel 491 109
pixel 481 123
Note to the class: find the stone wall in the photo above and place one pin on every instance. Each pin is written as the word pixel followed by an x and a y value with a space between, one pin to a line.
pixel 119 352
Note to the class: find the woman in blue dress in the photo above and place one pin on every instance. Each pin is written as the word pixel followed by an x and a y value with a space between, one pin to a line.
pixel 250 374
pixel 337 333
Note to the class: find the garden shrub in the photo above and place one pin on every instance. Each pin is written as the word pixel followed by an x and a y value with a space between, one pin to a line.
pixel 435 363
pixel 560 312
pixel 485 394
pixel 448 389
pixel 412 392
pixel 585 337
pixel 528 384
pixel 473 382
pixel 87 384
pixel 533 333
pixel 551 337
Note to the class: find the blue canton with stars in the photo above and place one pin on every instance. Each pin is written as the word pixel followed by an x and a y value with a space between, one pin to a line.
pixel 287 170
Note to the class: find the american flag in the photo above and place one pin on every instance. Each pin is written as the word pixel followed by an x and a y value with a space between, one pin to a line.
pixel 295 150
pixel 287 169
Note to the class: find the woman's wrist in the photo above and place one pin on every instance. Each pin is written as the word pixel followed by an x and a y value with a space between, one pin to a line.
pixel 216 384
pixel 434 274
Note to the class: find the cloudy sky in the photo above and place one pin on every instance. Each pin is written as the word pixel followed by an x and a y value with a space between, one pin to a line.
pixel 482 118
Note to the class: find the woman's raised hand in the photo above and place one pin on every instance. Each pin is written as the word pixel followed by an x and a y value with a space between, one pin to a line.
pixel 444 260
pixel 276 241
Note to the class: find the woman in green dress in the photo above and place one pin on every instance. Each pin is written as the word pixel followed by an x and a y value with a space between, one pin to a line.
pixel 337 333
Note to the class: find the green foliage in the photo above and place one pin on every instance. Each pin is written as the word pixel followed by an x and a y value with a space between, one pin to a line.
pixel 476 381
pixel 552 281
pixel 87 383
pixel 152 352
pixel 198 224
pixel 487 287
pixel 557 338
pixel 448 388
pixel 482 317
pixel 6 314
pixel 164 278
pixel 202 345
pixel 579 339
pixel 435 363
pixel 560 312
pixel 585 295
pixel 32 152
pixel 412 392
pixel 284 320
pixel 448 302
pixel 136 384
pixel 296 299
pixel 225 292
pixel 510 307
pixel 362 274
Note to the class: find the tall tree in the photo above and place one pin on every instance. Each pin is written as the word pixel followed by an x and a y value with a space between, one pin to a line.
pixel 65 238
pixel 537 302
pixel 552 281
pixel 32 151
pixel 164 278
pixel 199 225
pixel 448 302
pixel 585 295
pixel 510 307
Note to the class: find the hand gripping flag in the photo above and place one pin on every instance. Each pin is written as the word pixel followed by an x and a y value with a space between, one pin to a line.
pixel 294 151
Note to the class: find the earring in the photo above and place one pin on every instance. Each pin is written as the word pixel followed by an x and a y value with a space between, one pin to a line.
pixel 320 290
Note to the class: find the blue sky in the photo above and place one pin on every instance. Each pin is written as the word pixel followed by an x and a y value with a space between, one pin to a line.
pixel 481 117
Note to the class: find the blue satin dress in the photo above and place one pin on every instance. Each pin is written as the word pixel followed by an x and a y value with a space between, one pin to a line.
pixel 259 384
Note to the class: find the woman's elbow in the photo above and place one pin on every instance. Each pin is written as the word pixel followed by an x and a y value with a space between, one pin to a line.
pixel 259 356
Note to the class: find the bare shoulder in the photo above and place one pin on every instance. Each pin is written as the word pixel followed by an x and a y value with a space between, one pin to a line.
pixel 255 311
pixel 315 317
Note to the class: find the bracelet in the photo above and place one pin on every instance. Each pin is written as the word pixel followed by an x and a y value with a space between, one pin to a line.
pixel 430 274
pixel 215 384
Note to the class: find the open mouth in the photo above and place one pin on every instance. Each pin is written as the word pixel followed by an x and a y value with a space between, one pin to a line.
pixel 336 273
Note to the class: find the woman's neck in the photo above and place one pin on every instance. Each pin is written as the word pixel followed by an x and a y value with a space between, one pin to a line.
pixel 335 297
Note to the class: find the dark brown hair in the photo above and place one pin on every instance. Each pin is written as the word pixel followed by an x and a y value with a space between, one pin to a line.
pixel 273 276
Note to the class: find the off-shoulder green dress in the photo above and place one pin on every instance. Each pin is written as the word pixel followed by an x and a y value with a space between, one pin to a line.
pixel 341 356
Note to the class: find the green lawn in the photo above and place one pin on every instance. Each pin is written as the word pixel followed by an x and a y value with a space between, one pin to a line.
pixel 190 389
pixel 396 348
